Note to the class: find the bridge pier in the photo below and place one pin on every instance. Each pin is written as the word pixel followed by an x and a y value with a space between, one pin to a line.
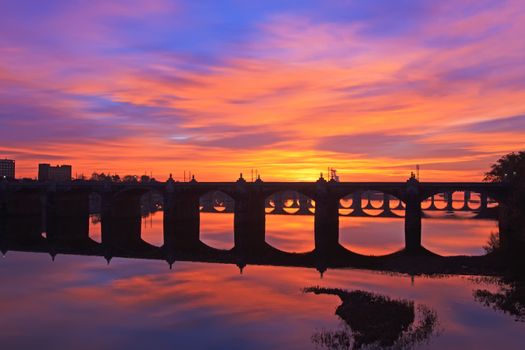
pixel 278 203
pixel 412 216
pixel 24 203
pixel 387 211
pixel 450 201
pixel 16 232
pixel 67 216
pixel 483 201
pixel 229 205
pixel 295 201
pixel 466 199
pixel 249 222
pixel 121 219
pixel 432 203
pixel 304 205
pixel 21 216
pixel 356 204
pixel 369 201
pixel 181 220
pixel 326 220
pixel 3 199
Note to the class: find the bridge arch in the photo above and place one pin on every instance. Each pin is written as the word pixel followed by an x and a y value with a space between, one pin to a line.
pixel 289 221
pixel 152 217
pixel 460 203
pixel 217 219
pixel 371 203
pixel 450 225
pixel 371 225
pixel 289 202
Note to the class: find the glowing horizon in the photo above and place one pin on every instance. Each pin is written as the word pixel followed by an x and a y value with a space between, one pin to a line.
pixel 288 88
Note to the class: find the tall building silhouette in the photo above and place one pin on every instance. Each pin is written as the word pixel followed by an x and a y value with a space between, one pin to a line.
pixel 47 172
pixel 7 169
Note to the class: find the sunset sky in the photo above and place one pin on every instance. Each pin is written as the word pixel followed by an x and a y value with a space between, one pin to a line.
pixel 371 88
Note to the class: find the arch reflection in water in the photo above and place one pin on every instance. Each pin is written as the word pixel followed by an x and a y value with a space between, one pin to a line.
pixel 376 320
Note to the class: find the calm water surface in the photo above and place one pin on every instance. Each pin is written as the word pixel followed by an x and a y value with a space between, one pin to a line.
pixel 82 303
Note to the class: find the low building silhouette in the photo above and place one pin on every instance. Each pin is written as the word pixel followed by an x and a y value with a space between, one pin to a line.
pixel 47 172
pixel 7 169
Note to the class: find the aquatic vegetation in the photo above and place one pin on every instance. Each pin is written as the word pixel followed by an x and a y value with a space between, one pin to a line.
pixel 373 321
pixel 510 298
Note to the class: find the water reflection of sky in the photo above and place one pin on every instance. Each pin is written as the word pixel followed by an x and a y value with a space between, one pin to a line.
pixel 142 304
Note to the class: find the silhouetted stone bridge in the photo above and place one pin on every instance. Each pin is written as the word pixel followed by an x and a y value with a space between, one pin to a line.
pixel 362 204
pixel 65 209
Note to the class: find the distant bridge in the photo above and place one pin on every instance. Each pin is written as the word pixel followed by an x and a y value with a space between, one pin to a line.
pixel 358 204
pixel 64 208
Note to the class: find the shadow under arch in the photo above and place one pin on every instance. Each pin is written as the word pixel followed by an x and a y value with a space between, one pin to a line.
pixel 217 220
pixel 289 222
pixel 372 232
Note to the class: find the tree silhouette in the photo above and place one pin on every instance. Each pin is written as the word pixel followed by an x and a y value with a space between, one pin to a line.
pixel 509 168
